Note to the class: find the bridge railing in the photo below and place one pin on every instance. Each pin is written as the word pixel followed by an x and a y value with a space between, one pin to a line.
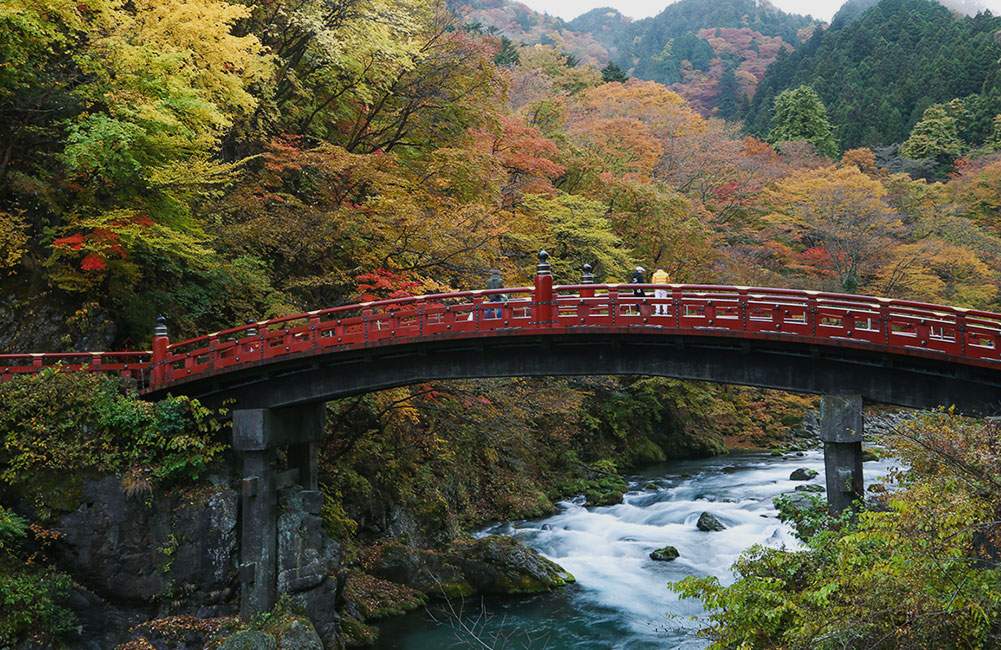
pixel 130 365
pixel 818 317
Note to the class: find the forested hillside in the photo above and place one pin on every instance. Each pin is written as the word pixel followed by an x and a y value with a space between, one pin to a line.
pixel 877 74
pixel 655 48
pixel 218 161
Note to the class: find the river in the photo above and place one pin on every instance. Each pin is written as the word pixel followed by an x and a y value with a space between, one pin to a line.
pixel 620 600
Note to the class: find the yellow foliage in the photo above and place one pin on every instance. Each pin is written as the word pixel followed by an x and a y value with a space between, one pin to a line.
pixel 662 110
pixel 12 240
pixel 226 64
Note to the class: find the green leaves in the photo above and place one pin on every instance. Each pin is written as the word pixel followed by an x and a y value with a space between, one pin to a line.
pixel 800 115
pixel 60 422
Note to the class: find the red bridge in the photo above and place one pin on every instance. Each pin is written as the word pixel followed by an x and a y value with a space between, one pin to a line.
pixel 276 374
pixel 892 351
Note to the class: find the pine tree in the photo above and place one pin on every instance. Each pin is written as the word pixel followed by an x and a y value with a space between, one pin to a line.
pixel 800 115
pixel 508 54
pixel 612 72
pixel 729 95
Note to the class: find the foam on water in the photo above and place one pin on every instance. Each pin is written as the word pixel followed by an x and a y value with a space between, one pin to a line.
pixel 620 599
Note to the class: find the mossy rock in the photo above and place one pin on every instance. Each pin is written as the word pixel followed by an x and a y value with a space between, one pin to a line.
pixel 666 554
pixel 356 634
pixel 249 640
pixel 802 474
pixel 300 635
pixel 377 598
pixel 605 491
pixel 504 565
pixel 709 523
pixel 812 487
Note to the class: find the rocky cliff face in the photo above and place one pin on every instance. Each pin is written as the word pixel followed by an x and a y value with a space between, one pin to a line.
pixel 141 556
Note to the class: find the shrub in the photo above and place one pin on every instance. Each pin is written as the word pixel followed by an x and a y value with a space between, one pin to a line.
pixel 60 423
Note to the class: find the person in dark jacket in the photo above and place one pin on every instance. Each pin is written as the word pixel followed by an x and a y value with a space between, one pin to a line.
pixel 638 279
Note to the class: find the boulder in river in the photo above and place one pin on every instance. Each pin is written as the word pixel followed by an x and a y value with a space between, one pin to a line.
pixel 812 487
pixel 666 554
pixel 709 523
pixel 802 474
pixel 503 565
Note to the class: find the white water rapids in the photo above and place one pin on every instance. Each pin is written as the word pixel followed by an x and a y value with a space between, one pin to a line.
pixel 621 598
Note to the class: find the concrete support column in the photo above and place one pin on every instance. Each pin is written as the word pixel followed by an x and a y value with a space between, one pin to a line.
pixel 258 533
pixel 841 431
pixel 257 434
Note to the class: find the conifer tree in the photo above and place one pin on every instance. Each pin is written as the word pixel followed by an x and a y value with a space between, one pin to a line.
pixel 800 115
pixel 935 136
pixel 612 72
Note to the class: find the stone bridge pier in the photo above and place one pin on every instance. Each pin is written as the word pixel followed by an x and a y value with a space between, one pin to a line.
pixel 258 435
pixel 841 432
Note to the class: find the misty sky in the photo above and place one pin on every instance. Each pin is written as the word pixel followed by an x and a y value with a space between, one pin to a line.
pixel 570 9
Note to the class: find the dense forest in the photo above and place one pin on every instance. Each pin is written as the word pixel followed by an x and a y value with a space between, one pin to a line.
pixel 878 74
pixel 219 161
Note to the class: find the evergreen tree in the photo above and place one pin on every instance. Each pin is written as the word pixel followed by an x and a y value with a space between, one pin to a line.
pixel 612 72
pixel 508 54
pixel 729 95
pixel 935 136
pixel 800 115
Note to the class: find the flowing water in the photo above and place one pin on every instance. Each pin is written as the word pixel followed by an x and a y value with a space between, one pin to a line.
pixel 621 600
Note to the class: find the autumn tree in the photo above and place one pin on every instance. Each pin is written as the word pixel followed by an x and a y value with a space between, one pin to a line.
pixel 576 231
pixel 838 217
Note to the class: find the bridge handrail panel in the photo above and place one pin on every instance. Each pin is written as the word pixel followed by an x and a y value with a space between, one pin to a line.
pixel 129 365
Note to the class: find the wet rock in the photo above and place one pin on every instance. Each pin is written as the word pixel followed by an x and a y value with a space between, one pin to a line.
pixel 813 487
pixel 546 527
pixel 652 486
pixel 666 554
pixel 709 523
pixel 869 455
pixel 503 565
pixel 136 555
pixel 249 640
pixel 730 469
pixel 802 474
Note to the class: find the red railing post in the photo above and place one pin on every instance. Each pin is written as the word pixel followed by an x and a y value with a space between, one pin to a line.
pixel 587 277
pixel 543 296
pixel 158 362
pixel 742 307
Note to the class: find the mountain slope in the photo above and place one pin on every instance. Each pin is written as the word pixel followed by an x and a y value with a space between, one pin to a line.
pixel 878 73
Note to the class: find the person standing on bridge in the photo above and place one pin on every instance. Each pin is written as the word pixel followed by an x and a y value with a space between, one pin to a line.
pixel 638 279
pixel 495 281
pixel 660 276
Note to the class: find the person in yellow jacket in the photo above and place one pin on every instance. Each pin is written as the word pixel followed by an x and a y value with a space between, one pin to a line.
pixel 660 276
